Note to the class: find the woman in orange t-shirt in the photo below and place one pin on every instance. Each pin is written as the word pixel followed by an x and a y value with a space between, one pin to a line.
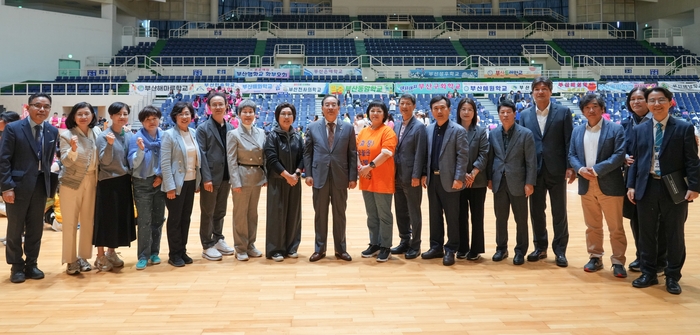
pixel 375 150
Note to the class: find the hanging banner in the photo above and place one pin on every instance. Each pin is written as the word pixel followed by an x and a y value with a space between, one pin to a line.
pixel 444 74
pixel 574 86
pixel 305 88
pixel 263 72
pixel 341 88
pixel 332 71
pixel 512 72
pixel 623 86
pixel 203 88
pixel 162 88
pixel 681 86
pixel 427 87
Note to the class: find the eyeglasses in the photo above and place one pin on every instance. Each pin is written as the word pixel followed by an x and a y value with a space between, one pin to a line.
pixel 286 115
pixel 657 101
pixel 40 106
pixel 637 100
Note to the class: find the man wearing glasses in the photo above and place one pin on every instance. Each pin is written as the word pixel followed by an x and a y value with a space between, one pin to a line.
pixel 26 153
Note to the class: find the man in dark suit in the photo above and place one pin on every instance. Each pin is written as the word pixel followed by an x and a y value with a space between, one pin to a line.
pixel 26 153
pixel 597 154
pixel 409 159
pixel 446 170
pixel 512 174
pixel 330 158
pixel 551 125
pixel 211 138
pixel 662 147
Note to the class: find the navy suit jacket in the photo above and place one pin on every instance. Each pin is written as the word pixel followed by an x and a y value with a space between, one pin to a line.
pixel 411 151
pixel 678 152
pixel 453 154
pixel 610 158
pixel 19 163
pixel 517 163
pixel 340 160
pixel 628 124
pixel 552 146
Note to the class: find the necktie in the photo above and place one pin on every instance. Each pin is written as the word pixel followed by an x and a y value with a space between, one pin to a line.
pixel 658 139
pixel 331 134
pixel 403 127
pixel 37 139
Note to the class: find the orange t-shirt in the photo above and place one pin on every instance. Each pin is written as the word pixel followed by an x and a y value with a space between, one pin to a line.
pixel 370 143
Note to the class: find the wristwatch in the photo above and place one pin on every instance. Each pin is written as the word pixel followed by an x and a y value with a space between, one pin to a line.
pixel 297 173
pixel 372 165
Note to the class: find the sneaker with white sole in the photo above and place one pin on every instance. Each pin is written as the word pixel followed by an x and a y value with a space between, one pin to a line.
pixel 224 248
pixel 84 265
pixel 211 254
pixel 277 257
pixel 56 226
pixel 293 255
pixel 254 252
pixel 114 259
pixel 73 268
pixel 242 256
pixel 155 260
pixel 102 263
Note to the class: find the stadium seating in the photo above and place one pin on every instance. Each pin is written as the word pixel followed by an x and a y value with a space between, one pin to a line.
pixel 481 18
pixel 545 18
pixel 396 48
pixel 504 49
pixel 374 21
pixel 126 53
pixel 341 51
pixel 609 47
pixel 675 51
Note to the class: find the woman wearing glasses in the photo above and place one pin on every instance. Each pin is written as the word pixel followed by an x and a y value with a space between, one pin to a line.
pixel 246 164
pixel 180 163
pixel 115 224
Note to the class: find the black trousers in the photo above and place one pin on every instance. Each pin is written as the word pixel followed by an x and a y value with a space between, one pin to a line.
pixel 503 201
pixel 634 226
pixel 442 202
pixel 283 227
pixel 657 212
pixel 26 216
pixel 555 185
pixel 409 219
pixel 472 200
pixel 179 215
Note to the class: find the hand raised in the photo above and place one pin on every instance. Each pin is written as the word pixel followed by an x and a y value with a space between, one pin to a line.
pixel 110 138
pixel 139 142
pixel 74 143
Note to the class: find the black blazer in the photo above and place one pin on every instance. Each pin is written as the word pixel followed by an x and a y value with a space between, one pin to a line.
pixel 678 152
pixel 411 151
pixel 628 124
pixel 553 146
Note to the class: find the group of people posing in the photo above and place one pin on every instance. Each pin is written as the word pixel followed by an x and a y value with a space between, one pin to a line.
pixel 113 181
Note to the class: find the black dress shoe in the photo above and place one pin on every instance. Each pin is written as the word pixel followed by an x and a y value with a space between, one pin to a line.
pixel 176 262
pixel 645 280
pixel 500 255
pixel 343 255
pixel 432 253
pixel 672 286
pixel 537 255
pixel 519 259
pixel 316 256
pixel 473 257
pixel 561 261
pixel 400 249
pixel 449 259
pixel 17 277
pixel 412 253
pixel 635 266
pixel 187 259
pixel 33 273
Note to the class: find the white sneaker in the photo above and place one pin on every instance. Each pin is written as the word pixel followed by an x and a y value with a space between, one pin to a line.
pixel 242 256
pixel 56 226
pixel 84 265
pixel 293 255
pixel 114 259
pixel 224 248
pixel 73 268
pixel 277 257
pixel 254 252
pixel 211 254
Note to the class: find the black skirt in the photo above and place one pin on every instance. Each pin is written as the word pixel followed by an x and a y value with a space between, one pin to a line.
pixel 115 225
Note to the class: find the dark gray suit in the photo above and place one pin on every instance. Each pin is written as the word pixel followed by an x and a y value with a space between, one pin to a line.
pixel 409 159
pixel 552 149
pixel 331 169
pixel 472 199
pixel 509 171
pixel 214 166
pixel 451 166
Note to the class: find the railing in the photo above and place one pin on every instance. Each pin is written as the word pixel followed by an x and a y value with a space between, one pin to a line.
pixel 240 11
pixel 577 73
pixel 344 61
pixel 593 30
pixel 487 25
pixel 544 12
pixel 663 33
pixel 323 8
pixel 290 49
pixel 139 32
pixel 102 71
pixel 395 10
pixel 167 61
pixel 311 25
pixel 542 49
pixel 479 60
pixel 585 60
pixel 466 10
pixel 64 88
pixel 418 60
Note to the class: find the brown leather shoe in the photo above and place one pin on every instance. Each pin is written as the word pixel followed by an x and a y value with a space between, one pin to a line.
pixel 343 255
pixel 317 256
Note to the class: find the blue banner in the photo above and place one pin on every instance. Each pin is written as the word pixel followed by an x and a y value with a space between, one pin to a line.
pixel 443 74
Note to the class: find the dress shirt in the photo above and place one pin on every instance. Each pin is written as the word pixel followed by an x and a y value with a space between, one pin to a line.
pixel 663 127
pixel 542 116
pixel 404 124
pixel 590 144
pixel 191 173
pixel 33 124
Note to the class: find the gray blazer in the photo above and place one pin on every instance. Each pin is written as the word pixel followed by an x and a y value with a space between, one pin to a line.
pixel 609 160
pixel 518 163
pixel 75 168
pixel 246 157
pixel 213 152
pixel 478 154
pixel 411 151
pixel 173 161
pixel 341 160
pixel 453 154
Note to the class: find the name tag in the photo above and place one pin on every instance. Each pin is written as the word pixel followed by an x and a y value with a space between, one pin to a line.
pixel 656 162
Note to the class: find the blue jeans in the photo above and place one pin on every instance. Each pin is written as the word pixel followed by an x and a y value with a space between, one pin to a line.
pixel 379 218
pixel 150 207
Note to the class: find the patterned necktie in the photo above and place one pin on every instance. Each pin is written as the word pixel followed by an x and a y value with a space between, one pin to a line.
pixel 403 127
pixel 37 139
pixel 658 139
pixel 331 134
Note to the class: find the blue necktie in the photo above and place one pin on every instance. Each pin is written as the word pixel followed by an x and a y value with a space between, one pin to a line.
pixel 658 139
pixel 37 139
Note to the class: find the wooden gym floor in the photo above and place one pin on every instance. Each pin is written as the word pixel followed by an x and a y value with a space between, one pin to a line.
pixel 362 296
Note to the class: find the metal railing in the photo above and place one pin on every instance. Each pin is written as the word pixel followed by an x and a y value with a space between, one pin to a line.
pixel 168 61
pixel 663 33
pixel 343 61
pixel 586 60
pixel 544 12
pixel 418 60
pixel 545 49
pixel 323 8
pixel 311 25
pixel 241 11
pixel 290 49
pixel 466 10
pixel 139 32
pixel 54 88
pixel 395 10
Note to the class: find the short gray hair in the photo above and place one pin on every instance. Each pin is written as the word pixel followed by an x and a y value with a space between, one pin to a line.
pixel 247 103
pixel 591 97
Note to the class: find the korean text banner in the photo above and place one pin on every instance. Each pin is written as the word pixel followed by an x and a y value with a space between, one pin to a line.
pixel 305 88
pixel 512 72
pixel 332 71
pixel 263 72
pixel 203 88
pixel 427 87
pixel 623 86
pixel 444 74
pixel 681 86
pixel 366 88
